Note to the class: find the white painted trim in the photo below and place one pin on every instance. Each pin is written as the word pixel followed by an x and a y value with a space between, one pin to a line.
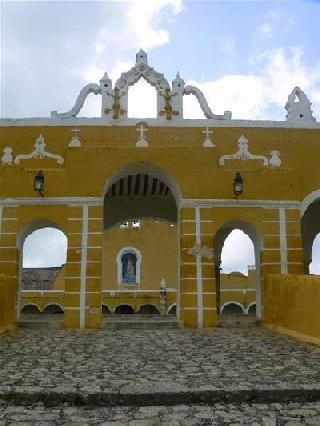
pixel 232 303
pixel 283 241
pixel 212 202
pixel 243 290
pixel 132 121
pixel 309 199
pixel 71 201
pixel 138 264
pixel 199 270
pixel 83 281
pixel 137 290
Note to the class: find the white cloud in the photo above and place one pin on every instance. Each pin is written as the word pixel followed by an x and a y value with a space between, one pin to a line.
pixel 45 247
pixel 237 253
pixel 263 94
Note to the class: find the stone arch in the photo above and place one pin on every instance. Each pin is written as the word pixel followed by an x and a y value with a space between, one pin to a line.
pixel 140 190
pixel 256 238
pixel 53 308
pixel 106 310
pixel 30 308
pixel 28 229
pixel 148 309
pixel 251 308
pixel 142 70
pixel 146 168
pixel 124 308
pixel 310 225
pixel 172 309
pixel 233 304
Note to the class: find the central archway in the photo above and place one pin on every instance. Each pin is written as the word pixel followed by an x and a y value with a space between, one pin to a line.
pixel 220 238
pixel 140 241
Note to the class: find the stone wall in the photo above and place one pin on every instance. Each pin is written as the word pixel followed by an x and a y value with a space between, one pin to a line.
pixel 39 278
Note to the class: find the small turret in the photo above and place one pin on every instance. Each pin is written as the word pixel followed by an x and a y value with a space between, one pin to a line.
pixel 141 57
pixel 106 92
pixel 177 95
pixel 299 107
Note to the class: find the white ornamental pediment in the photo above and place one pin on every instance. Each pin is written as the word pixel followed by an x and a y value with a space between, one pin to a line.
pixel 141 69
pixel 39 153
pixel 243 153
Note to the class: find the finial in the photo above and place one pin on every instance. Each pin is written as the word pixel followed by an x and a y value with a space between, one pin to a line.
pixel 141 57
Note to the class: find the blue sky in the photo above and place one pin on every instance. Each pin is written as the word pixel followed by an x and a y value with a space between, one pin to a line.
pixel 245 56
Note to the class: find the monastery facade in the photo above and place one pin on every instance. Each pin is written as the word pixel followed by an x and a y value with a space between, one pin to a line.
pixel 146 205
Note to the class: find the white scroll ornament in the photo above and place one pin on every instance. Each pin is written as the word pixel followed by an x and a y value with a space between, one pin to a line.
pixel 39 152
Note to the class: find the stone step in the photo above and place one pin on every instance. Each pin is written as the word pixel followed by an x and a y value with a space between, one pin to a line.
pixel 232 321
pixel 138 322
pixel 158 396
pixel 41 321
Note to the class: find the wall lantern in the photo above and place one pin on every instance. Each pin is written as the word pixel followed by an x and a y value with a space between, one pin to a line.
pixel 38 183
pixel 237 185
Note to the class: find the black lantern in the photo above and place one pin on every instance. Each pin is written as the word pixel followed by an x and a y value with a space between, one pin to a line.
pixel 237 185
pixel 38 183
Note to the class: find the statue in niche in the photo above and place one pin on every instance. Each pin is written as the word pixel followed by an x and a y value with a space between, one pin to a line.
pixel 129 261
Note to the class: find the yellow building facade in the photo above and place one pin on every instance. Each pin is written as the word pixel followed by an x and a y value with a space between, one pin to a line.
pixel 150 203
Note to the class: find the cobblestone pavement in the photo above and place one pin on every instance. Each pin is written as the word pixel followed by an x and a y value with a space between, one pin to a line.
pixel 165 367
pixel 275 414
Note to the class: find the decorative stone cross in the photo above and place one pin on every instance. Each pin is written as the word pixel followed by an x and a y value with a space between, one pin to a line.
pixel 207 143
pixel 142 142
pixel 75 141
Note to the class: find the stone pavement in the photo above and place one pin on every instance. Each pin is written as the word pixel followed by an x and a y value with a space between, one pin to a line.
pixel 158 377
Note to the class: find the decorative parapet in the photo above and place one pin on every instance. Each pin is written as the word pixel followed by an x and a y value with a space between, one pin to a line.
pixel 198 250
pixel 244 154
pixel 114 104
pixel 39 152
pixel 298 107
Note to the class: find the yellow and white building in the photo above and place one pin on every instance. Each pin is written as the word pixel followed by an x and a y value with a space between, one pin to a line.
pixel 145 202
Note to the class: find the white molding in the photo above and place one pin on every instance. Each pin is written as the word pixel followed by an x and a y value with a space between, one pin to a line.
pixel 232 303
pixel 283 241
pixel 214 202
pixel 199 269
pixel 138 265
pixel 309 199
pixel 137 290
pixel 71 201
pixel 125 122
pixel 83 281
pixel 1 213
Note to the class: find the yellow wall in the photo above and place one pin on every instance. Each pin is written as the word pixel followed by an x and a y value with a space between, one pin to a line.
pixel 7 303
pixel 178 152
pixel 292 302
pixel 157 243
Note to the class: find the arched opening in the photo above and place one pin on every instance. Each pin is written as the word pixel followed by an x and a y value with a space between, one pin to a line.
pixel 232 308
pixel 53 310
pixel 314 267
pixel 148 310
pixel 124 310
pixel 105 310
pixel 172 310
pixel 237 247
pixel 43 252
pixel 140 242
pixel 30 309
pixel 252 309
pixel 310 227
pixel 142 100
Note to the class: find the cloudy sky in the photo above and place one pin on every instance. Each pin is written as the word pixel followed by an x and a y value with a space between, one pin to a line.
pixel 245 56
